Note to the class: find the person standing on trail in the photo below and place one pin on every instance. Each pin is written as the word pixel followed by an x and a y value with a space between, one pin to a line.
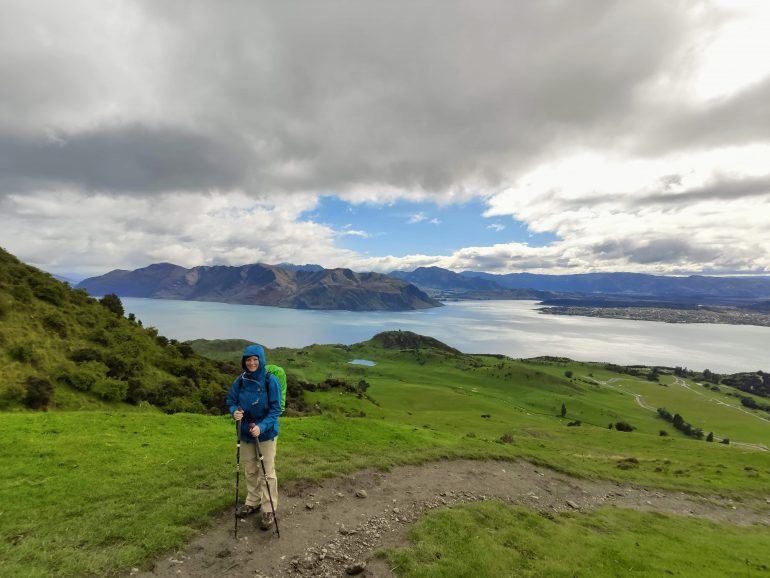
pixel 255 402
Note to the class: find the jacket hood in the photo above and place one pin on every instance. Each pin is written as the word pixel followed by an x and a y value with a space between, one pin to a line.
pixel 259 351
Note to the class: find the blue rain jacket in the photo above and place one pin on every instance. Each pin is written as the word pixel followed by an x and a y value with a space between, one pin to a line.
pixel 259 399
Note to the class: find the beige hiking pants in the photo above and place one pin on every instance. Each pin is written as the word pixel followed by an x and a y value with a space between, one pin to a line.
pixel 255 480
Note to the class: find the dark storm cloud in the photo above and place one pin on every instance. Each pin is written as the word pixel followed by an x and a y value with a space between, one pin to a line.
pixel 720 190
pixel 741 118
pixel 656 251
pixel 121 159
pixel 330 95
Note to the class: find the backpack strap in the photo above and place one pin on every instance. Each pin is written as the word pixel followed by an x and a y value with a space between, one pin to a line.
pixel 267 386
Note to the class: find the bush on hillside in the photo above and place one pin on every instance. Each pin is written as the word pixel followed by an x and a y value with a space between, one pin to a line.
pixel 100 337
pixel 22 352
pixel 39 393
pixel 43 289
pixel 12 394
pixel 624 426
pixel 110 389
pixel 85 354
pixel 113 303
pixel 22 293
pixel 56 323
pixel 83 376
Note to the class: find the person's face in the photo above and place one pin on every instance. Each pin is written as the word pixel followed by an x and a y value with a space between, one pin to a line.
pixel 252 363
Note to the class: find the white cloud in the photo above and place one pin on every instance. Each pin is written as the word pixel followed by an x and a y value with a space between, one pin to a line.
pixel 201 132
pixel 348 231
pixel 105 232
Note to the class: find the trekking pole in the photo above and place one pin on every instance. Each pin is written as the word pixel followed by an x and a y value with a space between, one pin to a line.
pixel 269 494
pixel 237 473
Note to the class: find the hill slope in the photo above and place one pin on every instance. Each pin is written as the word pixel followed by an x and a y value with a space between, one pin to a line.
pixel 259 284
pixel 443 283
pixel 636 284
pixel 61 348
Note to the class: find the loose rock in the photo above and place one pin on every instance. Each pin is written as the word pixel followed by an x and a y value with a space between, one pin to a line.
pixel 356 568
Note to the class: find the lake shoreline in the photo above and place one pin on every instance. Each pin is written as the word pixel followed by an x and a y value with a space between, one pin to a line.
pixel 725 316
pixel 512 328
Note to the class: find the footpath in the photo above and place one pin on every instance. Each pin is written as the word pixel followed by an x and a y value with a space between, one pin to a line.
pixel 333 528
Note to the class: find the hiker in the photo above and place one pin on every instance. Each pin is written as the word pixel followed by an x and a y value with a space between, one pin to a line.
pixel 255 401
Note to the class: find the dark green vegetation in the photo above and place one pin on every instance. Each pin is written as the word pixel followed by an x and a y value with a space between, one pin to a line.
pixel 59 348
pixel 494 539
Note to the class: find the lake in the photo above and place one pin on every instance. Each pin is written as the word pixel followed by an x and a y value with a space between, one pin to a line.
pixel 512 328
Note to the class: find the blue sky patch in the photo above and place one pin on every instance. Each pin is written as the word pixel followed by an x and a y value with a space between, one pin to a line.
pixel 408 228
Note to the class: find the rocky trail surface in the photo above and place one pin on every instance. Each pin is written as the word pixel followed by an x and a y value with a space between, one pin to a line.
pixel 333 528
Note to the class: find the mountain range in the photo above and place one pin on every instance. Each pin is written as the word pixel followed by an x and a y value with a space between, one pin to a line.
pixel 635 284
pixel 313 287
pixel 260 284
pixel 445 284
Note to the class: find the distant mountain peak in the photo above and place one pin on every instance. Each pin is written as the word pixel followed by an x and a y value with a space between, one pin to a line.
pixel 261 284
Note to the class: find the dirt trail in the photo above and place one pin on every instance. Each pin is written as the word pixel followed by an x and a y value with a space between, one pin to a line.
pixel 326 529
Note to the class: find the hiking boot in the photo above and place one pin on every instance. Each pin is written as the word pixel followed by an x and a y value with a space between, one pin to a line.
pixel 246 510
pixel 266 521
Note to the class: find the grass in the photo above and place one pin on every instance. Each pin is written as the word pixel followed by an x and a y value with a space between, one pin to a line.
pixel 495 539
pixel 97 492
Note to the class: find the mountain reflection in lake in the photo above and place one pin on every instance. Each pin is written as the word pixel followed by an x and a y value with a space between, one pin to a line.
pixel 512 328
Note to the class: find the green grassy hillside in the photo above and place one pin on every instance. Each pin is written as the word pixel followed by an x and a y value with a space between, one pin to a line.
pixel 59 348
pixel 100 491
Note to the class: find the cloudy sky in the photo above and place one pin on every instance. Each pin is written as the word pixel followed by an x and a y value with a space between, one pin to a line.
pixel 544 136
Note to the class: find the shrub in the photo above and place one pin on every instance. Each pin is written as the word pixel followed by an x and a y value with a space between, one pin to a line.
pixel 39 393
pixel 110 389
pixel 725 441
pixel 184 348
pixel 55 322
pixel 85 354
pixel 624 426
pixel 628 463
pixel 79 296
pixel 574 423
pixel 100 337
pixel 86 319
pixel 568 374
pixel 113 303
pixel 48 291
pixel 21 293
pixel 85 376
pixel 12 394
pixel 21 352
pixel 663 433
pixel 710 437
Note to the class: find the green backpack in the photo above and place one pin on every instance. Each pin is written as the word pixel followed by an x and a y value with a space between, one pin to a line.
pixel 279 372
